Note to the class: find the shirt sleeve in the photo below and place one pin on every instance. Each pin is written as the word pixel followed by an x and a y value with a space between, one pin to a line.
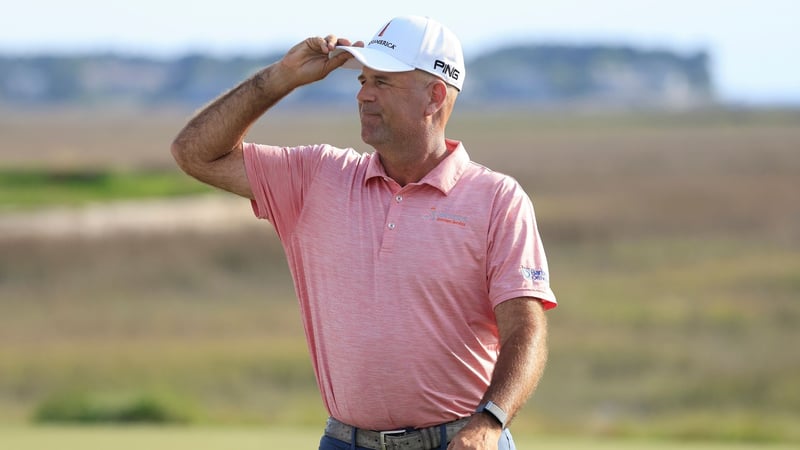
pixel 517 264
pixel 279 177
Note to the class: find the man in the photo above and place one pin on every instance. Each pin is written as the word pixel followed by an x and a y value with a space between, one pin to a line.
pixel 421 276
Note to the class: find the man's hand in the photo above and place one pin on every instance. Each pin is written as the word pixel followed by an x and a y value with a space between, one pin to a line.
pixel 481 433
pixel 308 61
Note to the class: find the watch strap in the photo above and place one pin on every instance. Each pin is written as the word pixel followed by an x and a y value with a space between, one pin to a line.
pixel 495 411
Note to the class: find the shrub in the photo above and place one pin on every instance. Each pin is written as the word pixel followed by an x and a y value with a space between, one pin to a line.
pixel 85 407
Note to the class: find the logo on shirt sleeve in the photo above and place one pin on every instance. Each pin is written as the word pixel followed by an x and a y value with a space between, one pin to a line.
pixel 533 274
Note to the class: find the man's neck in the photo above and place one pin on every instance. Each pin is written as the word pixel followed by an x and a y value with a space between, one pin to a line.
pixel 407 166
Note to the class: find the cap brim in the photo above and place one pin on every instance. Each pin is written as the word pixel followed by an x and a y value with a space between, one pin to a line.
pixel 374 59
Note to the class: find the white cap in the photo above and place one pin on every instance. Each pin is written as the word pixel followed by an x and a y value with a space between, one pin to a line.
pixel 411 42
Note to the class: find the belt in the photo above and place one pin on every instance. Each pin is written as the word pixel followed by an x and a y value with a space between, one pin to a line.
pixel 415 439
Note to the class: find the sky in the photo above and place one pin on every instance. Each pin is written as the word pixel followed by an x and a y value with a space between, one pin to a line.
pixel 754 44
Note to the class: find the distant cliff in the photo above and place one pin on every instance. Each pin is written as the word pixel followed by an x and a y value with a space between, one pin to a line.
pixel 533 75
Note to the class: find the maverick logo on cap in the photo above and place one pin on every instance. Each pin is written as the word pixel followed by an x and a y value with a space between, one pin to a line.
pixel 411 42
pixel 383 43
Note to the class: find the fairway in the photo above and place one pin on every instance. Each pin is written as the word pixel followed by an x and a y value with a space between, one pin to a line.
pixel 244 438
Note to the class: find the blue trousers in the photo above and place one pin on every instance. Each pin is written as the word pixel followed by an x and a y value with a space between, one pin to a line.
pixel 327 443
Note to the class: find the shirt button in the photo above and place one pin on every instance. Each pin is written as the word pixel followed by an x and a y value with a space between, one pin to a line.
pixel 391 226
pixel 399 198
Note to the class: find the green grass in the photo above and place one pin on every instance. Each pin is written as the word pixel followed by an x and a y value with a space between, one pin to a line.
pixel 88 407
pixel 288 438
pixel 28 188
pixel 675 349
pixel 673 248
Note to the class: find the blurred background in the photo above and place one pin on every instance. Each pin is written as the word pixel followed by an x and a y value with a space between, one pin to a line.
pixel 660 143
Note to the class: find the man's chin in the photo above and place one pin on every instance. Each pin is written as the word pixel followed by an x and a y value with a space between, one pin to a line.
pixel 368 137
pixel 365 139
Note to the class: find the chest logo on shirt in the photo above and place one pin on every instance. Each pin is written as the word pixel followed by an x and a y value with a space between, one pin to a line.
pixel 533 274
pixel 445 217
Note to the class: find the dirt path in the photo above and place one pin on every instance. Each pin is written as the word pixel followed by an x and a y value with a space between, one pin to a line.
pixel 199 213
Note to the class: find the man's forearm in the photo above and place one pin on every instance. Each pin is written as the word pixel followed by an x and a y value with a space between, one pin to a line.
pixel 522 358
pixel 209 147
pixel 221 126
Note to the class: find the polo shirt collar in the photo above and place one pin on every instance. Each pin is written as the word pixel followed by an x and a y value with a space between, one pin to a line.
pixel 443 177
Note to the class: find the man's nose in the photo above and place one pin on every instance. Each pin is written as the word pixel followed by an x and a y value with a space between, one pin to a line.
pixel 365 94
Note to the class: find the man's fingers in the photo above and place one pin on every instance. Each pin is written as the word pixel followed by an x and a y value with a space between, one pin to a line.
pixel 339 60
pixel 318 44
pixel 342 57
pixel 330 42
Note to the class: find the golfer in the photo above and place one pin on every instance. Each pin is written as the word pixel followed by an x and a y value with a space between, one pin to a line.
pixel 421 276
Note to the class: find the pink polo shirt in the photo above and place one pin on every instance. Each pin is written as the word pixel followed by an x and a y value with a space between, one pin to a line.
pixel 397 285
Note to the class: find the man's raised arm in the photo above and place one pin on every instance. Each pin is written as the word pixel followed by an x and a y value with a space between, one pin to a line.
pixel 209 147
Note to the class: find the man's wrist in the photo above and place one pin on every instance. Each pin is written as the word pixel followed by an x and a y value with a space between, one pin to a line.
pixel 272 81
pixel 486 419
pixel 494 413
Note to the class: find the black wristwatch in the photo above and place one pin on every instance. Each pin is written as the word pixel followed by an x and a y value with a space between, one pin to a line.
pixel 494 411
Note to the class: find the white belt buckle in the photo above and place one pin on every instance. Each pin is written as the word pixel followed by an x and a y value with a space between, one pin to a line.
pixel 383 437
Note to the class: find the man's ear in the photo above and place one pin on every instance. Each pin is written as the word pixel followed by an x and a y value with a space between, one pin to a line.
pixel 438 95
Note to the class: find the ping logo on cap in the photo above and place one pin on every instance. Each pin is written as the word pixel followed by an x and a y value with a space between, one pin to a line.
pixel 446 69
